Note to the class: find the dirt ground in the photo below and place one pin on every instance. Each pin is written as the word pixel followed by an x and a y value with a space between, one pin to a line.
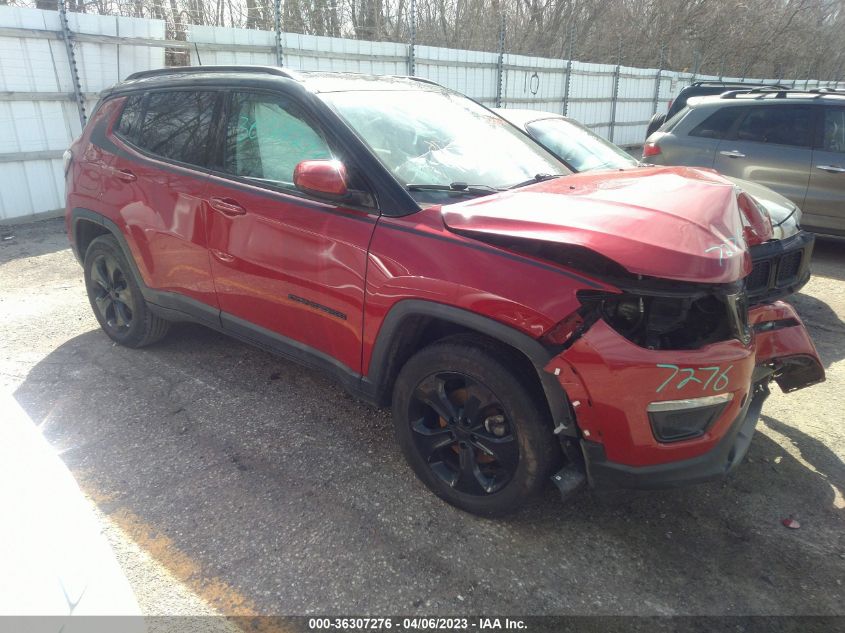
pixel 230 480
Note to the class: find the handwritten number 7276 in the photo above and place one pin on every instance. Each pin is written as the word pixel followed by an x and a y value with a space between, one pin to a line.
pixel 707 377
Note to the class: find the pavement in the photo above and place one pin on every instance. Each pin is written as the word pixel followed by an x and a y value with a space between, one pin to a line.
pixel 229 481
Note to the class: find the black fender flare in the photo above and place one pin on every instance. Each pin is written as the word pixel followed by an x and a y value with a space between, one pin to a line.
pixel 378 378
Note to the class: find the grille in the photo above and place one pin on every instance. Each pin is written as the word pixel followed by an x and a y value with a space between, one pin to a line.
pixel 790 264
pixel 759 277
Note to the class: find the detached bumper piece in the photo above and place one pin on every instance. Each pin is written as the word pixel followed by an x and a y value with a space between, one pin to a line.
pixel 717 462
pixel 780 268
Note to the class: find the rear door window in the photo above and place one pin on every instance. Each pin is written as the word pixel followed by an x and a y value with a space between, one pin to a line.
pixel 267 136
pixel 777 124
pixel 177 125
pixel 718 124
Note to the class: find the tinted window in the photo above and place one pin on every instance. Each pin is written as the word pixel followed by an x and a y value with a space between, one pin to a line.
pixel 130 117
pixel 781 124
pixel 718 124
pixel 578 146
pixel 267 136
pixel 177 125
pixel 833 130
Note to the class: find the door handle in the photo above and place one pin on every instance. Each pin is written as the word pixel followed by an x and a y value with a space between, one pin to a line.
pixel 124 174
pixel 223 257
pixel 226 206
pixel 734 153
pixel 833 169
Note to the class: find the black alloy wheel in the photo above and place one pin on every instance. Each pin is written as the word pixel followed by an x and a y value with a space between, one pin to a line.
pixel 461 430
pixel 473 425
pixel 112 295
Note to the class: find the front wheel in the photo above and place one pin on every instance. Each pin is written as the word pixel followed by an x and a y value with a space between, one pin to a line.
pixel 471 429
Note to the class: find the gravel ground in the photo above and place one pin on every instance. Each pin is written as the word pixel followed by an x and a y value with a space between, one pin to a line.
pixel 231 481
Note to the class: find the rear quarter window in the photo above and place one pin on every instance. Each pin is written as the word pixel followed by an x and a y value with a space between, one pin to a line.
pixel 130 117
pixel 718 124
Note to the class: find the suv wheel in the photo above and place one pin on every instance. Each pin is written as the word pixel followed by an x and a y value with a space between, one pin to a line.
pixel 116 298
pixel 471 430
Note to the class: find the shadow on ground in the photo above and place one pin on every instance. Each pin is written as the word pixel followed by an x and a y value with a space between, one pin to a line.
pixel 277 483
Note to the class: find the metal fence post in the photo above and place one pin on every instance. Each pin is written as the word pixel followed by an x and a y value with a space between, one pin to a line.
pixel 500 66
pixel 71 59
pixel 278 24
pixel 657 79
pixel 615 96
pixel 570 53
pixel 412 47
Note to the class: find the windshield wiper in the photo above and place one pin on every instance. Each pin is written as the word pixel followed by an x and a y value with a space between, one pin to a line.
pixel 457 188
pixel 537 178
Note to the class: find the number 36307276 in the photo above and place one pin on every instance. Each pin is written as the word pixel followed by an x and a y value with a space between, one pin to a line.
pixel 714 378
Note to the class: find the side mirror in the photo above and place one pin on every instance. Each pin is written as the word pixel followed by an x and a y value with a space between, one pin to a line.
pixel 321 177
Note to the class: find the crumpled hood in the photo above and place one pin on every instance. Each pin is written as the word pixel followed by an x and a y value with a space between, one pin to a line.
pixel 785 214
pixel 673 223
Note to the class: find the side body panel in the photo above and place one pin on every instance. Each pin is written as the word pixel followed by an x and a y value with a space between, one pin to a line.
pixel 158 207
pixel 91 166
pixel 783 168
pixel 415 257
pixel 291 266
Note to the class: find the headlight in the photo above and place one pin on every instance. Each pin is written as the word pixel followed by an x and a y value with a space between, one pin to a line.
pixel 671 322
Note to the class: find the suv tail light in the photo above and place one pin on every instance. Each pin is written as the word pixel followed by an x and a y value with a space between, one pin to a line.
pixel 651 149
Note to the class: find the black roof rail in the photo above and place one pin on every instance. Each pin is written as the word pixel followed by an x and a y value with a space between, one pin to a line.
pixel 420 79
pixel 781 93
pixel 778 91
pixel 750 84
pixel 188 70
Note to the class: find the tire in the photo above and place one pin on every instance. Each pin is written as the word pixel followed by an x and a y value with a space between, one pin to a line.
pixel 656 121
pixel 470 428
pixel 115 296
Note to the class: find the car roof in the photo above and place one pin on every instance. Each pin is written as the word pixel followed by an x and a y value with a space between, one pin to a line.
pixel 268 76
pixel 522 117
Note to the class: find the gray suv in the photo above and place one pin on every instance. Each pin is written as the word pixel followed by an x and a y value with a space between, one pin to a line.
pixel 790 141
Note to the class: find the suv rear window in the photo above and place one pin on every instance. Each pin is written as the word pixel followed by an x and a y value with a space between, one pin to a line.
pixel 718 124
pixel 177 125
pixel 779 124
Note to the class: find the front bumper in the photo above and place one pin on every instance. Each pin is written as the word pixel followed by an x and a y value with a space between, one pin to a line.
pixel 780 267
pixel 611 383
pixel 715 463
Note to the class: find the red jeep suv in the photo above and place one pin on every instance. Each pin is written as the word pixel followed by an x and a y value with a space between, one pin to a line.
pixel 523 322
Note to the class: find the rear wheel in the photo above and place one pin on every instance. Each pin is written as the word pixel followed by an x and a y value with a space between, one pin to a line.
pixel 471 429
pixel 116 298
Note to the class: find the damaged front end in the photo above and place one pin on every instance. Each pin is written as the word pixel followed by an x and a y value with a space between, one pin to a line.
pixel 666 390
pixel 665 375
